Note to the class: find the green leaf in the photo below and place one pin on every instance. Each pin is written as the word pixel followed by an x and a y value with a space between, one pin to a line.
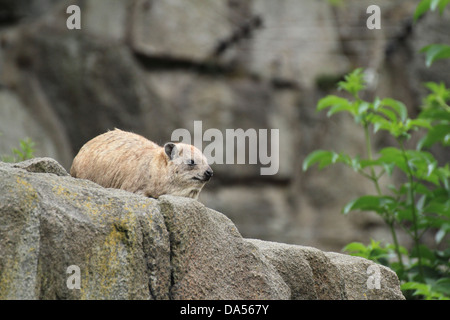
pixel 416 123
pixel 442 5
pixel 380 204
pixel 392 156
pixel 445 228
pixel 438 88
pixel 373 251
pixel 422 7
pixel 379 123
pixel 434 52
pixel 353 82
pixel 362 107
pixel 419 288
pixel 443 286
pixel 404 214
pixel 438 133
pixel 335 103
pixel 444 176
pixel 336 108
pixel 426 5
pixel 355 247
pixel 425 290
pixel 397 106
pixel 422 165
pixel 388 113
pixel 438 206
pixel 323 157
pixel 434 114
pixel 437 100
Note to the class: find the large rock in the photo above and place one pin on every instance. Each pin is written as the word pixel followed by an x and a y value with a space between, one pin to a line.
pixel 194 33
pixel 313 274
pixel 126 246
pixel 50 222
pixel 298 43
pixel 365 280
pixel 211 260
pixel 131 247
pixel 307 271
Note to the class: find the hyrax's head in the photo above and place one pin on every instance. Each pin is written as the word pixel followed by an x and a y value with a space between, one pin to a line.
pixel 188 168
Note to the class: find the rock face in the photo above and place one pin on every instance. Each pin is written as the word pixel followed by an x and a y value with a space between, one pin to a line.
pixel 131 247
pixel 152 67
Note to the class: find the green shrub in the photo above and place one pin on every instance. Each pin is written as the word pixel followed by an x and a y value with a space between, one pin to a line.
pixel 420 204
pixel 24 152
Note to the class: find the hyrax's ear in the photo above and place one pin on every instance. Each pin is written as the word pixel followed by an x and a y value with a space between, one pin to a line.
pixel 170 149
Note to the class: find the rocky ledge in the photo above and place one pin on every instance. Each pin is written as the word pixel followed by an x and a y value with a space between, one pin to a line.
pixel 66 238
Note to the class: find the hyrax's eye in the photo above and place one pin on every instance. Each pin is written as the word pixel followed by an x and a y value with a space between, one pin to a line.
pixel 190 162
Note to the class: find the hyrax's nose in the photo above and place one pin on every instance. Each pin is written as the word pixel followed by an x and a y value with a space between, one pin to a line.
pixel 208 174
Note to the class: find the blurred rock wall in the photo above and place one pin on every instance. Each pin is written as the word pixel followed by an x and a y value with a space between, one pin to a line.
pixel 154 66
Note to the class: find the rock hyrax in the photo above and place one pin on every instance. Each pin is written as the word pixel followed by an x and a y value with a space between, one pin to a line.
pixel 124 160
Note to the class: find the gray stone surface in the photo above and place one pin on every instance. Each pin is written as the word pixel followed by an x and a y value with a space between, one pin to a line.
pixel 50 222
pixel 314 274
pixel 211 260
pixel 42 165
pixel 132 247
pixel 365 280
pixel 307 271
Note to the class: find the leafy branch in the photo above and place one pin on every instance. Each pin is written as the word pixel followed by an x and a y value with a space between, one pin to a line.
pixel 423 201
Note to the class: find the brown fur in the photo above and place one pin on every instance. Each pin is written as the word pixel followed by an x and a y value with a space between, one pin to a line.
pixel 124 160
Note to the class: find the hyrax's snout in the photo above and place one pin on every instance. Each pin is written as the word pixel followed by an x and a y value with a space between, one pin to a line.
pixel 208 174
